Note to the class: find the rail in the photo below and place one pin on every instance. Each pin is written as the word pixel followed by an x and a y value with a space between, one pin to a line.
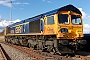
pixel 4 54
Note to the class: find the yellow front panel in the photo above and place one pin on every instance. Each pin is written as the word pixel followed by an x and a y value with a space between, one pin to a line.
pixel 75 30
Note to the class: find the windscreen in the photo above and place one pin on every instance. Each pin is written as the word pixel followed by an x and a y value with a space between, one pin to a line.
pixel 76 19
pixel 63 19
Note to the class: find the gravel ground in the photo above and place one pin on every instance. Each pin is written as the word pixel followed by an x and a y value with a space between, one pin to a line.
pixel 16 54
pixel 1 37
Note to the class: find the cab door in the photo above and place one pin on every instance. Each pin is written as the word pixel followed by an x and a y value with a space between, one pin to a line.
pixel 49 25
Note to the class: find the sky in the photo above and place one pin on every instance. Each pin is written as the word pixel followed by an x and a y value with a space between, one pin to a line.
pixel 23 9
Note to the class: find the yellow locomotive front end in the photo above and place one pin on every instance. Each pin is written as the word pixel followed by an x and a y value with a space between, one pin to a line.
pixel 67 27
pixel 70 25
pixel 70 31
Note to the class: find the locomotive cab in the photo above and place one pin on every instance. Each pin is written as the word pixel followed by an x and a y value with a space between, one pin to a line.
pixel 69 25
pixel 70 31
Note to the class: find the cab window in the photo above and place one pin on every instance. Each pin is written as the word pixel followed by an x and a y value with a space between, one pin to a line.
pixel 76 19
pixel 63 19
pixel 50 20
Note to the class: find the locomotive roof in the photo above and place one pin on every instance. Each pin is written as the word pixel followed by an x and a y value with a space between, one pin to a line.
pixel 64 8
pixel 71 8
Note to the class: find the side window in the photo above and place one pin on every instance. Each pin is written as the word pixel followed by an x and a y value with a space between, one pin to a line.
pixel 50 20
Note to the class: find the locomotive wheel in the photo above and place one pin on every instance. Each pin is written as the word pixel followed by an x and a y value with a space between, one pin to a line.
pixel 29 45
pixel 55 47
pixel 53 51
pixel 56 51
pixel 16 41
pixel 36 47
pixel 11 41
pixel 50 49
pixel 6 39
pixel 25 42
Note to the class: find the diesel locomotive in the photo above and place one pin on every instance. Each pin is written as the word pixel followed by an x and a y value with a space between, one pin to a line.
pixel 58 31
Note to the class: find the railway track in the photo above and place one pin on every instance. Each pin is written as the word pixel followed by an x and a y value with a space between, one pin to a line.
pixel 3 54
pixel 39 55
